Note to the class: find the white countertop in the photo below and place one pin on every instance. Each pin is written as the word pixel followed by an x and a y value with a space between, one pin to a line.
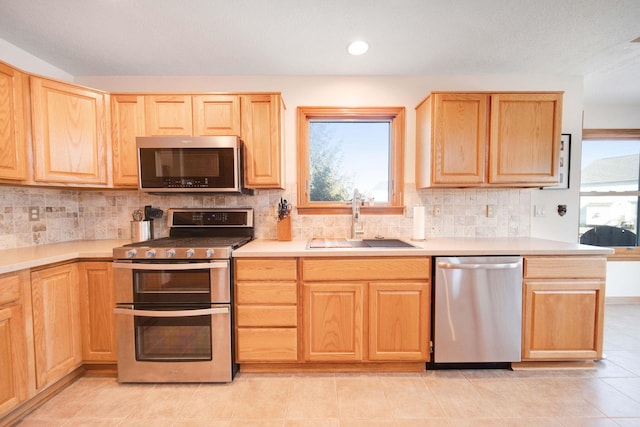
pixel 36 256
pixel 430 247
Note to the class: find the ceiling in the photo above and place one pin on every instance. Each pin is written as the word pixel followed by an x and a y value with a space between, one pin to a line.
pixel 591 38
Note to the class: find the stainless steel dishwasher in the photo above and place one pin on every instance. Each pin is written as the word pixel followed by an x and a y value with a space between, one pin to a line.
pixel 478 309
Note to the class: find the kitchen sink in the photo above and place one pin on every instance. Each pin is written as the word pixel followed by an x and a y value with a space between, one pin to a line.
pixel 321 243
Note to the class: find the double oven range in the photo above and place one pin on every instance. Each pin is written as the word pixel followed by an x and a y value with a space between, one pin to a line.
pixel 174 301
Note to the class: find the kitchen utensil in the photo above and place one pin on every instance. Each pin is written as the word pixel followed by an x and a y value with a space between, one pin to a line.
pixel 137 215
pixel 284 208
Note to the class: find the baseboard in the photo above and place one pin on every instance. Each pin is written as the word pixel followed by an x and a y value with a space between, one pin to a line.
pixel 13 417
pixel 622 300
pixel 560 366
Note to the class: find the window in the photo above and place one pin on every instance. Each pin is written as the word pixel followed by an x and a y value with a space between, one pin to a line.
pixel 610 187
pixel 344 149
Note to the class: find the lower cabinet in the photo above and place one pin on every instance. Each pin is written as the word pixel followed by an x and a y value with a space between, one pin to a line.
pixel 563 308
pixel 14 373
pixel 97 301
pixel 56 322
pixel 266 310
pixel 366 309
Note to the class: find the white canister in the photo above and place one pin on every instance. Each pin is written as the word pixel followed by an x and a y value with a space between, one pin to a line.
pixel 141 231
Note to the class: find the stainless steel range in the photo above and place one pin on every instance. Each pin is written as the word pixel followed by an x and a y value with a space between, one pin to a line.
pixel 174 300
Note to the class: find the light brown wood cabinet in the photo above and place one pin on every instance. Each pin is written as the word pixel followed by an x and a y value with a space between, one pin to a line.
pixel 69 133
pixel 366 309
pixel 256 118
pixel 56 322
pixel 97 301
pixel 488 139
pixel 262 130
pixel 13 123
pixel 14 375
pixel 266 310
pixel 563 308
pixel 127 122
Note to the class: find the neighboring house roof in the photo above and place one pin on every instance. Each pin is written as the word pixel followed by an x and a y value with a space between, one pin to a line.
pixel 612 170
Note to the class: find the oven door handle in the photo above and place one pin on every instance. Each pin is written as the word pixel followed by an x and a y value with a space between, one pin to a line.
pixel 120 309
pixel 170 266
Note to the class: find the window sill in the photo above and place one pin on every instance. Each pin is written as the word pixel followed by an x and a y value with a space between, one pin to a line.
pixel 346 210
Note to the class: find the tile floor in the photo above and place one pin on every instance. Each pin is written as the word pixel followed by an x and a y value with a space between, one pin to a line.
pixel 606 397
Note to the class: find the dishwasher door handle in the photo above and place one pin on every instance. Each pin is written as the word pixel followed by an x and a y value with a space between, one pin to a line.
pixel 497 266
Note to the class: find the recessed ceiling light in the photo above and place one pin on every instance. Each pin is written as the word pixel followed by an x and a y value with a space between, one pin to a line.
pixel 358 47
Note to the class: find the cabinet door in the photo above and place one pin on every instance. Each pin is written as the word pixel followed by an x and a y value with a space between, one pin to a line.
pixel 399 321
pixel 261 133
pixel 459 142
pixel 334 321
pixel 13 360
pixel 69 133
pixel 56 322
pixel 216 115
pixel 13 140
pixel 168 115
pixel 97 301
pixel 127 122
pixel 563 319
pixel 525 138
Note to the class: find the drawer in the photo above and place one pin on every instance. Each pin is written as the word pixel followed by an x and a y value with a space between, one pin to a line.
pixel 267 345
pixel 267 315
pixel 9 288
pixel 574 267
pixel 266 269
pixel 356 268
pixel 266 293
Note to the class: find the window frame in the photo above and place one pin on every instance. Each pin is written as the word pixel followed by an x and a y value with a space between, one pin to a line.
pixel 396 117
pixel 622 253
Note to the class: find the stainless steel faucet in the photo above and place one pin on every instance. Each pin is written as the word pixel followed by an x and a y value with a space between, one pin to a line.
pixel 357 228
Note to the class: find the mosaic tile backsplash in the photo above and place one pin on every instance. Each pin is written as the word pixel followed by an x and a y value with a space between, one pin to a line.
pixel 66 215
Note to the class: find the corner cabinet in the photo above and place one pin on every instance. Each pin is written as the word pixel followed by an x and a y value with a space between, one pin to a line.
pixel 488 139
pixel 56 322
pixel 365 309
pixel 13 124
pixel 69 133
pixel 563 308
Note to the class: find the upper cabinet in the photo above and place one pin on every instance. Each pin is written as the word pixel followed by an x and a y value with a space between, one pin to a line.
pixel 13 124
pixel 256 118
pixel 127 122
pixel 488 139
pixel 168 115
pixel 216 115
pixel 69 133
pixel 262 126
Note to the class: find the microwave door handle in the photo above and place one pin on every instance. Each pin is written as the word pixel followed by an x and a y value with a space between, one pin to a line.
pixel 177 266
pixel 169 313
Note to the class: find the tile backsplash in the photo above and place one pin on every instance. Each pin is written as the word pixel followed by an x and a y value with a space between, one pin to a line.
pixel 66 215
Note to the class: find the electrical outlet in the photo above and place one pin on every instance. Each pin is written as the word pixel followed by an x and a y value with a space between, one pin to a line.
pixel 539 211
pixel 34 213
pixel 491 211
pixel 437 210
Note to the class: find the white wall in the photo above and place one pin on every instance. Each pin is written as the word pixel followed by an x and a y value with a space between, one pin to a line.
pixel 621 275
pixel 19 58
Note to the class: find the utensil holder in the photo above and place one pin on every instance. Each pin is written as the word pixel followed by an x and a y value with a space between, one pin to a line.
pixel 284 228
pixel 141 231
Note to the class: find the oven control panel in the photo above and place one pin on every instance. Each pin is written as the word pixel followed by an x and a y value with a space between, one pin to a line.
pixel 171 253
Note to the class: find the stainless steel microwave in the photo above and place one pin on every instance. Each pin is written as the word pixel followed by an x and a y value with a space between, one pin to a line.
pixel 205 164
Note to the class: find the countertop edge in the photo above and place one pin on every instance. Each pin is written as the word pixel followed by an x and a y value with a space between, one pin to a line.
pixel 434 247
pixel 17 259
